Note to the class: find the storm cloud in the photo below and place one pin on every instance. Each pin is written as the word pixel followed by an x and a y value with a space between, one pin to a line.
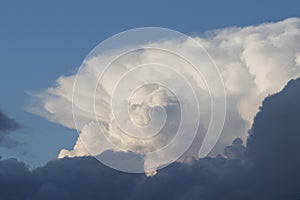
pixel 254 62
pixel 266 168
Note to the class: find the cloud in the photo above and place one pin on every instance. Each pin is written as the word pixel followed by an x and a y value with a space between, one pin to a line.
pixel 236 150
pixel 267 169
pixel 6 125
pixel 254 62
pixel 273 143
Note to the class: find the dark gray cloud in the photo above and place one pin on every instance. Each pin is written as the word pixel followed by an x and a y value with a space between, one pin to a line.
pixel 267 168
pixel 7 124
pixel 69 178
pixel 273 147
pixel 236 150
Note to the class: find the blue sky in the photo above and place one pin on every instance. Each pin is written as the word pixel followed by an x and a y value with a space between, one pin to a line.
pixel 41 41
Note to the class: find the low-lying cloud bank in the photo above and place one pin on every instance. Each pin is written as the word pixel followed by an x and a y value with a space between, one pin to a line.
pixel 267 168
pixel 254 62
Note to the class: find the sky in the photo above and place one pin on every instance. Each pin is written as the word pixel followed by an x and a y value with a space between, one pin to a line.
pixel 42 41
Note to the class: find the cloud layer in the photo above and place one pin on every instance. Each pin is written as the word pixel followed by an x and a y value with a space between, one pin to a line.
pixel 267 168
pixel 254 62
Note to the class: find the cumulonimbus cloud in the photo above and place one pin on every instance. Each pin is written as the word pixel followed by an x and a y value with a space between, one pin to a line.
pixel 266 168
pixel 254 62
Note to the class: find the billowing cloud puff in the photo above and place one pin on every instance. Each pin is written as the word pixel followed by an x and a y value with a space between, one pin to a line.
pixel 254 62
pixel 267 168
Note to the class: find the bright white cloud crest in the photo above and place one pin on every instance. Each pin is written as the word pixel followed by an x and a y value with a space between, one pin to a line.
pixel 148 97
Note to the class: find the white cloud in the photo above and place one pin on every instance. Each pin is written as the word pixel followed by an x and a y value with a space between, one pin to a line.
pixel 254 62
